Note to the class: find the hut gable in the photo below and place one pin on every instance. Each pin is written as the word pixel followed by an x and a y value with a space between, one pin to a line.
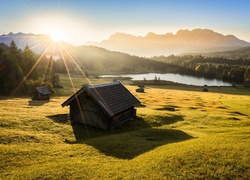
pixel 114 104
pixel 42 93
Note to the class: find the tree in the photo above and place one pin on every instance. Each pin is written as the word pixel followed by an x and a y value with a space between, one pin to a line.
pixel 4 64
pixel 86 73
pixel 15 53
pixel 247 73
pixel 27 64
pixel 13 74
pixel 55 80
pixel 247 77
pixel 155 78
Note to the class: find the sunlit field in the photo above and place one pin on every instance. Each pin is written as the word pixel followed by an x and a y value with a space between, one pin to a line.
pixel 179 133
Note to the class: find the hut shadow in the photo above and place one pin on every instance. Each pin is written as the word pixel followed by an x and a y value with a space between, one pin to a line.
pixel 129 140
pixel 37 102
pixel 60 118
pixel 84 132
pixel 133 144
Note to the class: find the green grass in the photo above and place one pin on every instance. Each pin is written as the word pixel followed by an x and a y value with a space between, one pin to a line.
pixel 178 134
pixel 79 81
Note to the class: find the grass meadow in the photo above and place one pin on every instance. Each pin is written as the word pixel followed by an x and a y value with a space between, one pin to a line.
pixel 179 133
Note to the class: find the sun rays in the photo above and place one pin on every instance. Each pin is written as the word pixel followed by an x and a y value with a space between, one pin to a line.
pixel 55 48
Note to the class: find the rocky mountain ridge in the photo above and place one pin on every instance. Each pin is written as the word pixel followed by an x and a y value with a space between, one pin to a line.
pixel 184 41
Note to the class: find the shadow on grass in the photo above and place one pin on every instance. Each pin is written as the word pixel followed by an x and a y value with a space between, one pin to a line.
pixel 129 140
pixel 37 103
pixel 132 144
pixel 157 121
pixel 83 132
pixel 168 108
pixel 60 118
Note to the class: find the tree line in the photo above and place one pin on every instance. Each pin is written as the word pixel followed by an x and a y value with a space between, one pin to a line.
pixel 232 70
pixel 21 72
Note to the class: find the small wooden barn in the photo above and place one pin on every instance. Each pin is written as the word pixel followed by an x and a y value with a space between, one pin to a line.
pixel 103 106
pixel 41 93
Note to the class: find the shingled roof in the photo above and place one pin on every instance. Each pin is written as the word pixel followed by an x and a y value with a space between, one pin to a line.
pixel 113 98
pixel 43 90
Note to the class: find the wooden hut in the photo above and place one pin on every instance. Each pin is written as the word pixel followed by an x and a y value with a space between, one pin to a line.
pixel 140 88
pixel 41 93
pixel 103 106
pixel 205 88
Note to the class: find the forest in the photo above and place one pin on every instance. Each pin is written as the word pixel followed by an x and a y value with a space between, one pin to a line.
pixel 22 70
pixel 236 71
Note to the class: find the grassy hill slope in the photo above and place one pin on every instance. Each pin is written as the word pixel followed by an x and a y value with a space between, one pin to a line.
pixel 99 60
pixel 177 134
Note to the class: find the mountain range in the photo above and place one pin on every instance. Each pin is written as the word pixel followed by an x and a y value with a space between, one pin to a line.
pixel 38 43
pixel 99 60
pixel 184 41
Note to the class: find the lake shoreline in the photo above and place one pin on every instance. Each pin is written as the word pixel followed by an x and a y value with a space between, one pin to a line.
pixel 170 77
pixel 185 87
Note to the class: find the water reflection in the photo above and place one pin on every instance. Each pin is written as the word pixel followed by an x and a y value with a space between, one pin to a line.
pixel 178 78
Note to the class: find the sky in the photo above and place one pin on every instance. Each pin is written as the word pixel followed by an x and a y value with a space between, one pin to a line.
pixel 80 21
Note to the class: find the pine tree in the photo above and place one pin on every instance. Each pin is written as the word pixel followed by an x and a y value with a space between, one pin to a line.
pixel 15 53
pixel 27 63
pixel 4 64
pixel 247 73
pixel 247 77
pixel 14 71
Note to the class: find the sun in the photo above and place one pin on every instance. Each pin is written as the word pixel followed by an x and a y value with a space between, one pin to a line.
pixel 56 35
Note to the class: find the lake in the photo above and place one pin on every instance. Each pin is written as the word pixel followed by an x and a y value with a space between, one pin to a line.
pixel 178 78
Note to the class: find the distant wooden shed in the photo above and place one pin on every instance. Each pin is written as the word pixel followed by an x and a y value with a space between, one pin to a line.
pixel 103 106
pixel 140 88
pixel 41 93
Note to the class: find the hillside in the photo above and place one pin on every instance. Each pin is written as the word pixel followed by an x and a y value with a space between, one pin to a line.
pixel 178 134
pixel 38 43
pixel 184 41
pixel 102 61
